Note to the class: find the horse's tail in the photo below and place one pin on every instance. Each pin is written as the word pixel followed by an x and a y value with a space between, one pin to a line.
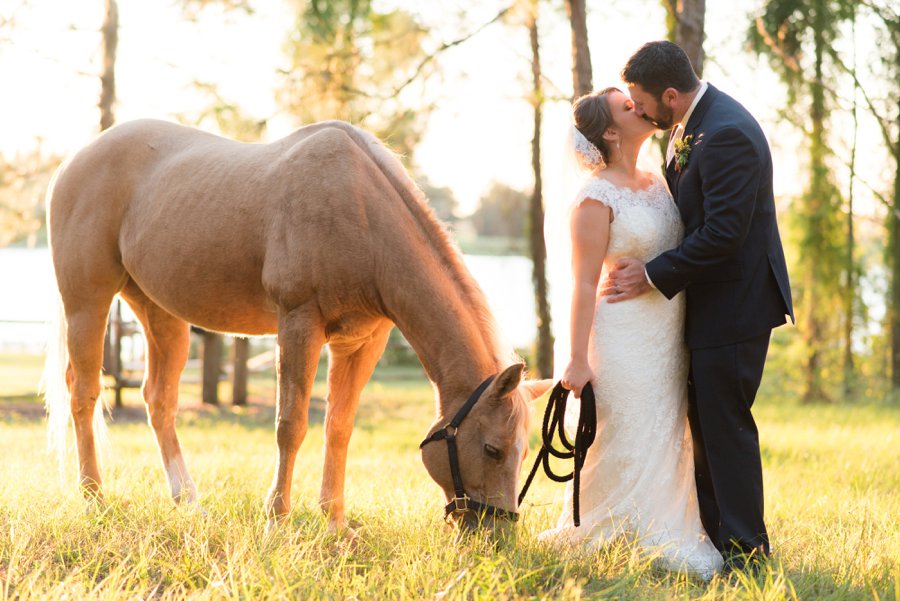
pixel 53 384
pixel 57 399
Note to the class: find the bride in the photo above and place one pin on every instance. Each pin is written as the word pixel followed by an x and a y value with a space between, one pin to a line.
pixel 638 477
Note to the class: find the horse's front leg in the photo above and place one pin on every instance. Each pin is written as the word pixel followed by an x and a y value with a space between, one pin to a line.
pixel 300 340
pixel 348 371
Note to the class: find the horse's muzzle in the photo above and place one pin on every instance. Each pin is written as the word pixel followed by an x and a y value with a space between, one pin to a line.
pixel 471 515
pixel 471 523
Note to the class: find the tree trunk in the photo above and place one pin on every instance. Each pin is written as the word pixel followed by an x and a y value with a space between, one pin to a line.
pixel 850 267
pixel 581 55
pixel 112 342
pixel 544 350
pixel 895 260
pixel 687 20
pixel 685 25
pixel 212 367
pixel 239 377
pixel 110 31
pixel 816 257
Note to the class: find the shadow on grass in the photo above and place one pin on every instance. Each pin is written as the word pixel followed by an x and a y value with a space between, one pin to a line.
pixel 258 413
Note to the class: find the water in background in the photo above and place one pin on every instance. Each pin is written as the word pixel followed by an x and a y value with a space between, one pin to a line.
pixel 28 296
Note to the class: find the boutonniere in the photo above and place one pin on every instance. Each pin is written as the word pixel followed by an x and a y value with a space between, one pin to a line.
pixel 682 151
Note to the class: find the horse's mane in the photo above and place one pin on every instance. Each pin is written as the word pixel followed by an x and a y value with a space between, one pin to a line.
pixel 446 249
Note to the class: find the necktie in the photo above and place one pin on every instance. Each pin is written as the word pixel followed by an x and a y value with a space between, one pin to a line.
pixel 677 133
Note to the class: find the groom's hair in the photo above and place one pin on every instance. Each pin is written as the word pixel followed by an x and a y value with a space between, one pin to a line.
pixel 657 66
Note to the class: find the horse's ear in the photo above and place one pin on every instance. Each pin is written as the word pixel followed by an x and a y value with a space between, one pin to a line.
pixel 508 380
pixel 535 388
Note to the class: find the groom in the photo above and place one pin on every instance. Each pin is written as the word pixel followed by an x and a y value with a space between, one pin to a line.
pixel 730 266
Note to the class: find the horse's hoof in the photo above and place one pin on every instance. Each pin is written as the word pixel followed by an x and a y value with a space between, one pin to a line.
pixel 187 497
pixel 93 496
pixel 351 535
pixel 193 507
pixel 273 524
pixel 346 532
pixel 97 502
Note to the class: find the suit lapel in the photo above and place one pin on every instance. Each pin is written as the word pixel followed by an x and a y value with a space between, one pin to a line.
pixel 690 127
pixel 700 110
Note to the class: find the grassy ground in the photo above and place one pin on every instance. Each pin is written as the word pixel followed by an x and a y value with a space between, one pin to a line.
pixel 832 487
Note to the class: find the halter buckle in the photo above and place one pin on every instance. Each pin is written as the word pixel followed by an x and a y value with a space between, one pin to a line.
pixel 450 431
pixel 461 504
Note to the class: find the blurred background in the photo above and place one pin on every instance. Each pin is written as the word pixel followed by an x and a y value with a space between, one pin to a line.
pixel 476 98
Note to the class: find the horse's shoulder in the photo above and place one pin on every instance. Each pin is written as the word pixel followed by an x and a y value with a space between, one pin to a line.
pixel 328 143
pixel 325 134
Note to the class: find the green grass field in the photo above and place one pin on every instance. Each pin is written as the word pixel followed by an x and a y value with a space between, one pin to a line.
pixel 832 487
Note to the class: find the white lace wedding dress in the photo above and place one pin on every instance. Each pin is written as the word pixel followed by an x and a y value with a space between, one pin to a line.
pixel 638 476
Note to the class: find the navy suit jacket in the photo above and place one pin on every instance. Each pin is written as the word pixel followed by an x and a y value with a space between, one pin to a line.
pixel 731 262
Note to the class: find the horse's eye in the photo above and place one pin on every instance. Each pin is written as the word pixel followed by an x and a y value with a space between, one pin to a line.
pixel 492 452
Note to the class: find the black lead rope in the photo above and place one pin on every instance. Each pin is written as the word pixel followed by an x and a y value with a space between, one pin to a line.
pixel 584 437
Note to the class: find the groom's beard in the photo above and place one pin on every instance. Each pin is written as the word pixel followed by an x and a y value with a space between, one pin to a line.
pixel 665 121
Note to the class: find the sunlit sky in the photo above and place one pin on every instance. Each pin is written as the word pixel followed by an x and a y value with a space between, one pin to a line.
pixel 480 132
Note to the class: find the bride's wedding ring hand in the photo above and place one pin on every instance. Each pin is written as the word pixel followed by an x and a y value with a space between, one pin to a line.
pixel 627 279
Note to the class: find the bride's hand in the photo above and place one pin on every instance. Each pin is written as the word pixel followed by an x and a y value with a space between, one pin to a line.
pixel 577 376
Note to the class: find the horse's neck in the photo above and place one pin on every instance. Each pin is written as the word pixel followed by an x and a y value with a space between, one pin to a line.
pixel 433 312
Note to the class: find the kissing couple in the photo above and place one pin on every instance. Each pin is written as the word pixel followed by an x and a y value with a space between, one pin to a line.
pixel 676 284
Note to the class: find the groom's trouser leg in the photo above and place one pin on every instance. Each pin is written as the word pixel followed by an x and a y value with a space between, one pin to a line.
pixel 725 381
pixel 706 496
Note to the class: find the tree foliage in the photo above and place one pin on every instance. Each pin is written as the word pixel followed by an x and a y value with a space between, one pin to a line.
pixel 502 211
pixel 23 184
pixel 796 36
pixel 349 60
pixel 441 199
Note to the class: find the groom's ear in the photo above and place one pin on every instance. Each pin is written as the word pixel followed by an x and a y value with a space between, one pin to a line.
pixel 669 96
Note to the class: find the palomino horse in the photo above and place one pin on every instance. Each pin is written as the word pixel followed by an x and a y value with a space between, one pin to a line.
pixel 321 237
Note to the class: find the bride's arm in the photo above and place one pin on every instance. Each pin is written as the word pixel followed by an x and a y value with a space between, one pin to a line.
pixel 590 238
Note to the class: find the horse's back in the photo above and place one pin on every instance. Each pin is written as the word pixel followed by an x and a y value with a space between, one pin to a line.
pixel 198 221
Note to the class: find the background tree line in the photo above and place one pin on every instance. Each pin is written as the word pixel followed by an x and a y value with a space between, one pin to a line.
pixel 372 64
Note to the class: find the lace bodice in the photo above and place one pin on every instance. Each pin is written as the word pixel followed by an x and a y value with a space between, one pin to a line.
pixel 645 222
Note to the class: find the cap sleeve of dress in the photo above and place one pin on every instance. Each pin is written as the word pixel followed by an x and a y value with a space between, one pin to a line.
pixel 599 190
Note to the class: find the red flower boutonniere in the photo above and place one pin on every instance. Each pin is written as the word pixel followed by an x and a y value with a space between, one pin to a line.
pixel 682 151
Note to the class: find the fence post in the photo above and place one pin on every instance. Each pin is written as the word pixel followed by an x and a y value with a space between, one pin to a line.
pixel 239 384
pixel 212 367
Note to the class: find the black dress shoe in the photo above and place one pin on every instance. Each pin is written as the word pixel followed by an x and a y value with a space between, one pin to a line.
pixel 750 564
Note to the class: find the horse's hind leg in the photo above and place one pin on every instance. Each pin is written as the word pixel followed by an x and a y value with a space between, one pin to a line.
pixel 167 350
pixel 350 367
pixel 86 327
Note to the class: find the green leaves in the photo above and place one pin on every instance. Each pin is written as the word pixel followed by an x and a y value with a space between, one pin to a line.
pixel 350 61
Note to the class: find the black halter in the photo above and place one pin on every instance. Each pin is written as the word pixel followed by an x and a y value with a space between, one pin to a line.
pixel 463 503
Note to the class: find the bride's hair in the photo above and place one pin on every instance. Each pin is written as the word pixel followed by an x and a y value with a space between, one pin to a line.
pixel 592 117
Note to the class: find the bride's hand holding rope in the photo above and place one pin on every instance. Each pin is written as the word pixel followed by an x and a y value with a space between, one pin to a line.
pixel 577 375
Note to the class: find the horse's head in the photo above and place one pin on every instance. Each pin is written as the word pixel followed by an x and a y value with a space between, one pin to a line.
pixel 490 436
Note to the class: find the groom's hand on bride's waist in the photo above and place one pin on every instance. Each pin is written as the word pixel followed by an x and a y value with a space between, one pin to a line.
pixel 626 280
